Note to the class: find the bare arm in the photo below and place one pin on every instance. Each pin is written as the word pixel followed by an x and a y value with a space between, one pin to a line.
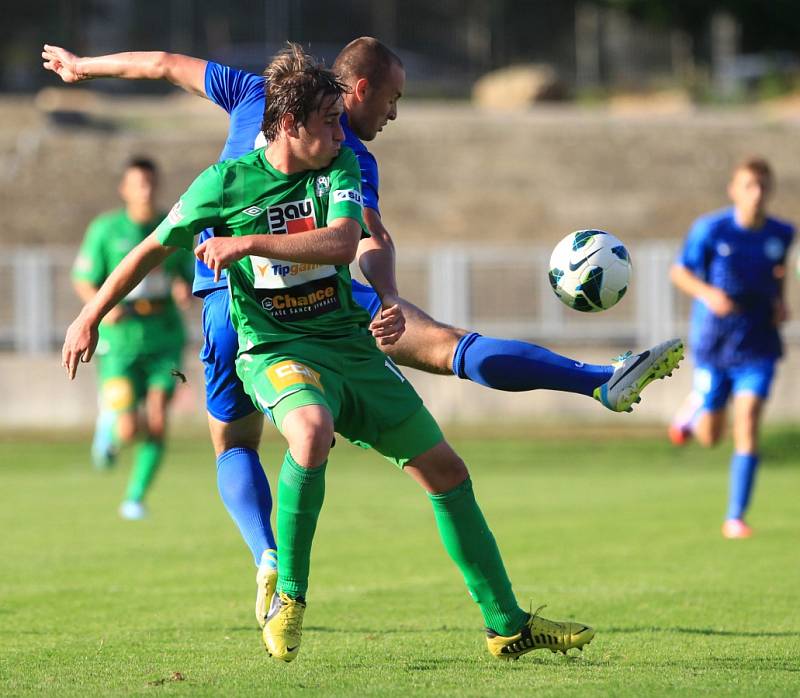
pixel 81 337
pixel 86 291
pixel 376 256
pixel 717 301
pixel 182 71
pixel 333 244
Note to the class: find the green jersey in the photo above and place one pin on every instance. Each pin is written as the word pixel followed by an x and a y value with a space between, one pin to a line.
pixel 151 321
pixel 273 300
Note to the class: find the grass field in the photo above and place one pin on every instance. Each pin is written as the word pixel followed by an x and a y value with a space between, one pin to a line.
pixel 617 530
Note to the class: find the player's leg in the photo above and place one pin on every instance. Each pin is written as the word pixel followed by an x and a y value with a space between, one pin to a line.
pixel 713 386
pixel 516 366
pixel 235 427
pixel 292 388
pixel 117 419
pixel 468 540
pixel 751 389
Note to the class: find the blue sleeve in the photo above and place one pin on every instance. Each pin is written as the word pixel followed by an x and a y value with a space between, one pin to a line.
pixel 228 87
pixel 369 178
pixel 695 253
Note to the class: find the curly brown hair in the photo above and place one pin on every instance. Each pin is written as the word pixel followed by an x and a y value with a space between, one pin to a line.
pixel 296 84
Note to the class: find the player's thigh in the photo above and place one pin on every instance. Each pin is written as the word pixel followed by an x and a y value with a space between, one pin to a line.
pixel 226 399
pixel 714 386
pixel 119 392
pixel 244 432
pixel 308 429
pixel 426 344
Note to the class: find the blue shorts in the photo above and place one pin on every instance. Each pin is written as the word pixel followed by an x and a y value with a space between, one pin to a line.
pixel 226 399
pixel 715 385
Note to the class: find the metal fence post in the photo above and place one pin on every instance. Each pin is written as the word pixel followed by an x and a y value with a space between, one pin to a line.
pixel 448 285
pixel 33 300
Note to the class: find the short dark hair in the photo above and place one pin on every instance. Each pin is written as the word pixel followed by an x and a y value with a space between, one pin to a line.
pixel 757 165
pixel 365 57
pixel 141 162
pixel 296 83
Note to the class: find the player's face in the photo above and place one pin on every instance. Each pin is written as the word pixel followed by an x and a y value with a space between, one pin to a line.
pixel 750 191
pixel 321 137
pixel 138 187
pixel 379 106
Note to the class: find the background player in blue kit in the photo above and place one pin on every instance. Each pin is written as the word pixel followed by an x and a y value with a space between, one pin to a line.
pixel 376 79
pixel 733 265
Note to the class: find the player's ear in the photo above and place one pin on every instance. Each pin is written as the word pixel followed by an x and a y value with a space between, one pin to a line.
pixel 360 89
pixel 290 125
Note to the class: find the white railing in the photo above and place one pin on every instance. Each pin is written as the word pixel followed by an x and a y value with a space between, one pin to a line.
pixel 497 290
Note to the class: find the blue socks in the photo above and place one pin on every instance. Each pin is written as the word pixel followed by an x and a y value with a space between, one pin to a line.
pixel 514 366
pixel 743 471
pixel 245 492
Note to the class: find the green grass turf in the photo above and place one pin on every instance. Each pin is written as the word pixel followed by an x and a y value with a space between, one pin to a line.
pixel 615 529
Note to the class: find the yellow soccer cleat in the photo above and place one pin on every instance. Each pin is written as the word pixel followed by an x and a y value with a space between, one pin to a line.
pixel 284 627
pixel 539 634
pixel 266 579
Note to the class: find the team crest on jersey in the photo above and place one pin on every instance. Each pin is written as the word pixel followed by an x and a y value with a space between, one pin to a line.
pixel 292 217
pixel 774 249
pixel 322 185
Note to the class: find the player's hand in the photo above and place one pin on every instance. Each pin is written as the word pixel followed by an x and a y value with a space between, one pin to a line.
pixel 62 63
pixel 79 344
pixel 219 253
pixel 719 302
pixel 389 325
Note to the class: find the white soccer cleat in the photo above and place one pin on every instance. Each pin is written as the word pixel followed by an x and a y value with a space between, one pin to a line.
pixel 132 511
pixel 635 371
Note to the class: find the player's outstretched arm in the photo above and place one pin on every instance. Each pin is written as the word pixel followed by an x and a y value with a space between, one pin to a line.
pixel 376 259
pixel 81 338
pixel 185 72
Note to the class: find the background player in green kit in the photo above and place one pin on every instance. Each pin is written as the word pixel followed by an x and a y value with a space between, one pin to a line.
pixel 288 221
pixel 141 339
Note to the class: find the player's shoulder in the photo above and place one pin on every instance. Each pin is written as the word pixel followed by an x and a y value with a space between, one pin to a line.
pixel 780 226
pixel 221 74
pixel 107 220
pixel 714 221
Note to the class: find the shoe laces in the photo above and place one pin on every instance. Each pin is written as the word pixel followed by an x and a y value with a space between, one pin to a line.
pixel 551 625
pixel 290 620
pixel 622 358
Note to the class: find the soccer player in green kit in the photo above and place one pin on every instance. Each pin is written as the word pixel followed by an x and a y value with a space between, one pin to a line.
pixel 288 220
pixel 141 339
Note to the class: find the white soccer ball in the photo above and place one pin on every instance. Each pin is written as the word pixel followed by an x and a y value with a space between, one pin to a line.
pixel 590 270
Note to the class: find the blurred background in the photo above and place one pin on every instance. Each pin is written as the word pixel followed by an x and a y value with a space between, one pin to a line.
pixel 521 121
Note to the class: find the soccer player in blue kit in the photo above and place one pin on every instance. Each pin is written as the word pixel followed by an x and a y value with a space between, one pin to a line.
pixel 733 263
pixel 375 77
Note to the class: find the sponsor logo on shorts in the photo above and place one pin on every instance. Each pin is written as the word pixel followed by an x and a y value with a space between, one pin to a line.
pixel 352 195
pixel 285 374
pixel 291 217
pixel 301 302
pixel 175 216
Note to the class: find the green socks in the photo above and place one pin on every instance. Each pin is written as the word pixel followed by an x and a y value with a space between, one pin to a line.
pixel 147 459
pixel 471 545
pixel 300 495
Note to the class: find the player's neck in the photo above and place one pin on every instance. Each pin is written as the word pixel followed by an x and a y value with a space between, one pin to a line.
pixel 140 213
pixel 280 156
pixel 750 220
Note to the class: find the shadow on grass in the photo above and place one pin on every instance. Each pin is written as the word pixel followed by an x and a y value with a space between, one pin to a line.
pixel 698 631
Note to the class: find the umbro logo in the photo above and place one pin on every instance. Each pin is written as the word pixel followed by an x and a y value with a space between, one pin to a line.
pixel 253 211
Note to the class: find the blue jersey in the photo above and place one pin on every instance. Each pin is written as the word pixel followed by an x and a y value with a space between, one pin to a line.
pixel 241 94
pixel 742 263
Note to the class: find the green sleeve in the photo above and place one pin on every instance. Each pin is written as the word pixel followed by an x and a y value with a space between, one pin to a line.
pixel 91 264
pixel 345 198
pixel 199 208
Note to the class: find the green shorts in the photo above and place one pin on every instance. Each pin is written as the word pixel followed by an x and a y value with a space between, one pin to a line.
pixel 125 379
pixel 372 403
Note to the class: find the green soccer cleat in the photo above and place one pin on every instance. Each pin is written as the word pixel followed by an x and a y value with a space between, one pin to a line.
pixel 539 634
pixel 284 627
pixel 266 579
pixel 635 371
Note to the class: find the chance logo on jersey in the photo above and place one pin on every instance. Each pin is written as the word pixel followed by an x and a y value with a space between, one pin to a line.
pixel 292 217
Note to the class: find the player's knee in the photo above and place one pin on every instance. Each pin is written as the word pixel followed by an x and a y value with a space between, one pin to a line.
pixel 126 427
pixel 309 431
pixel 439 470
